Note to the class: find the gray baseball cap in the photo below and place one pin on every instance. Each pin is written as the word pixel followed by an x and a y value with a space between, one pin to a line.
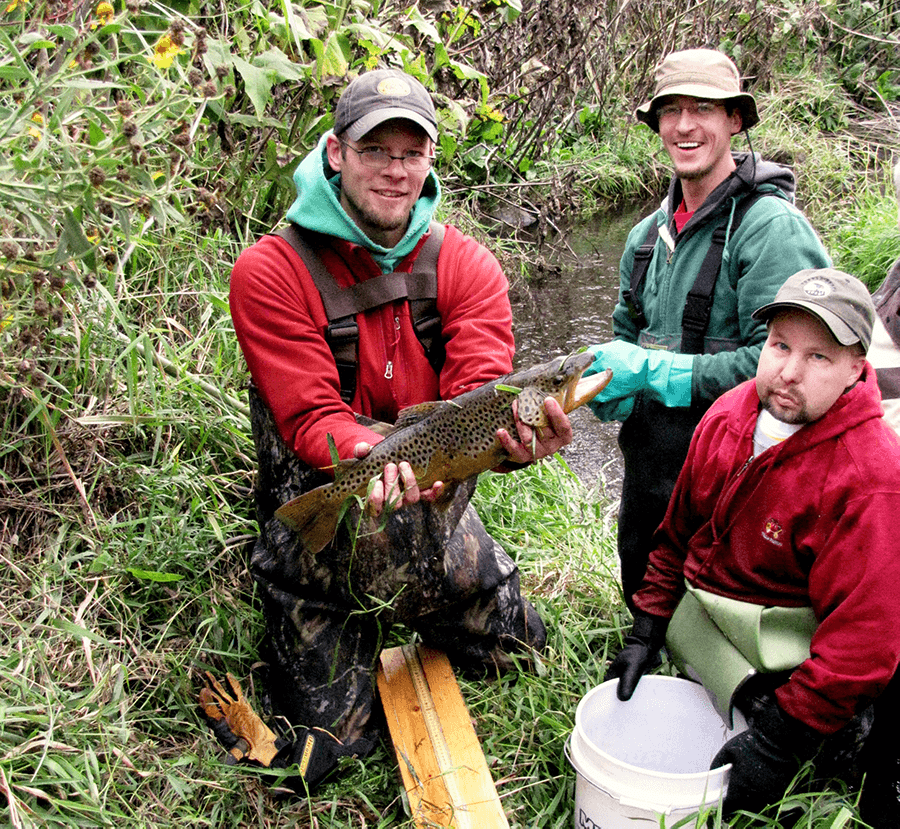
pixel 839 300
pixel 380 95
pixel 699 73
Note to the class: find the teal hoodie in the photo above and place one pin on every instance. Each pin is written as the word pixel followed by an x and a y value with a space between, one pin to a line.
pixel 318 208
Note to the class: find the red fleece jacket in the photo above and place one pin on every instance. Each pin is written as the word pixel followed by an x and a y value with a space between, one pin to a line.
pixel 280 322
pixel 808 522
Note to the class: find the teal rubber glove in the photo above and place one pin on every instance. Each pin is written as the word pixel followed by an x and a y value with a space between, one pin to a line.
pixel 664 375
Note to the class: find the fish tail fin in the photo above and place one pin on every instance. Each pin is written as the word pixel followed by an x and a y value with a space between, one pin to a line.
pixel 313 516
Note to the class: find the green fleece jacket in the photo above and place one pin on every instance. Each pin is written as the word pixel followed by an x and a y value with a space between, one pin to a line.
pixel 773 242
pixel 318 207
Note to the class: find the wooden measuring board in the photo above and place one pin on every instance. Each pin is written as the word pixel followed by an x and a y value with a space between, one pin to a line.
pixel 444 772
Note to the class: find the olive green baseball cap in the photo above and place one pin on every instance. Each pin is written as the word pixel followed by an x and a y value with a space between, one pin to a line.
pixel 699 73
pixel 838 299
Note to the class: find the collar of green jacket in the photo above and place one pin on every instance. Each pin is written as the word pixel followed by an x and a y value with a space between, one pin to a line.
pixel 318 208
pixel 752 173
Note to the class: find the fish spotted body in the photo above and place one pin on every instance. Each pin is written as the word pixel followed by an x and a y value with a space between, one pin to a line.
pixel 449 440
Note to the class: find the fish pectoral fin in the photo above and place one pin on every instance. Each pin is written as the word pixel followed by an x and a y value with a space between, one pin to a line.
pixel 414 414
pixel 447 496
pixel 530 407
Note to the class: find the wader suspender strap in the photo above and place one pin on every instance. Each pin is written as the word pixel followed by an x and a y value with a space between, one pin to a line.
pixel 342 305
pixel 698 307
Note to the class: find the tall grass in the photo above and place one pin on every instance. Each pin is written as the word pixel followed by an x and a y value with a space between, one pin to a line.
pixel 105 635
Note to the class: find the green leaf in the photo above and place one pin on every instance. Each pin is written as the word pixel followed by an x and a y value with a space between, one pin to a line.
pixel 95 134
pixel 332 450
pixel 152 575
pixel 280 67
pixel 465 72
pixel 421 25
pixel 335 58
pixel 441 58
pixel 257 84
pixel 76 630
pixel 73 240
pixel 295 26
pixel 378 38
pixel 63 31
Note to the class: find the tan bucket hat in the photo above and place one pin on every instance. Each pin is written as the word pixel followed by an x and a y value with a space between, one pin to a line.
pixel 700 73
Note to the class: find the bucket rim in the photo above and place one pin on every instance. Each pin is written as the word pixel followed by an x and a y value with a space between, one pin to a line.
pixel 578 735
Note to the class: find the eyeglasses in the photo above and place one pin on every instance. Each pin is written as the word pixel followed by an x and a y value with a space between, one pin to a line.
pixel 702 109
pixel 377 159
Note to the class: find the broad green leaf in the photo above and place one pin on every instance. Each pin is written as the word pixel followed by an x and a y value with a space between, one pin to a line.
pixel 335 60
pixel 280 66
pixel 62 31
pixel 257 84
pixel 379 38
pixel 465 72
pixel 152 575
pixel 295 25
pixel 421 25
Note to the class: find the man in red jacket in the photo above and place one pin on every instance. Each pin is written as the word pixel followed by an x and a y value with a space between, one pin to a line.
pixel 366 196
pixel 778 551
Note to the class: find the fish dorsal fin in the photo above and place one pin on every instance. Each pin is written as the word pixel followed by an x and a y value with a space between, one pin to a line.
pixel 342 466
pixel 380 428
pixel 530 406
pixel 415 414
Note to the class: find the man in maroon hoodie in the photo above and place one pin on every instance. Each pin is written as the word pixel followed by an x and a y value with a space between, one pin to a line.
pixel 782 519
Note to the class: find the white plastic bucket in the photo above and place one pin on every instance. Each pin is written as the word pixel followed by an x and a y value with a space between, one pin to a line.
pixel 647 758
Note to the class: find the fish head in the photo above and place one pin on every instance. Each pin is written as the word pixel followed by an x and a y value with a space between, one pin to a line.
pixel 561 378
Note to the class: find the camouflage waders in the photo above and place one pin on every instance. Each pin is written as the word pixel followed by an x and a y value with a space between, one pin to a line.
pixel 434 569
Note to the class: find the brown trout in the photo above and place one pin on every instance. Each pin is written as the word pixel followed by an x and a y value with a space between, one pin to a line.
pixel 447 440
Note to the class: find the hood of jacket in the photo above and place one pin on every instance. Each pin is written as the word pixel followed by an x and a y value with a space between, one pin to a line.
pixel 752 173
pixel 318 208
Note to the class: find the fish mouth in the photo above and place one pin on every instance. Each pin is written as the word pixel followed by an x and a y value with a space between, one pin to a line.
pixel 583 389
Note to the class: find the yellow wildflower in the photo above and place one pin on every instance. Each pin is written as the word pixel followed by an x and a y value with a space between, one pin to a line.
pixel 105 13
pixel 164 52
pixel 12 6
pixel 38 119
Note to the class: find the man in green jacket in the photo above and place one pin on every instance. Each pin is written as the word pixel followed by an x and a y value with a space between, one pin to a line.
pixel 723 241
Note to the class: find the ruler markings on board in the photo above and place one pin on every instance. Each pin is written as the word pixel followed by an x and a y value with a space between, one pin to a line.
pixel 436 734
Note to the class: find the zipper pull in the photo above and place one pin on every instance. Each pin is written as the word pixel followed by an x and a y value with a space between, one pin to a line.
pixel 389 371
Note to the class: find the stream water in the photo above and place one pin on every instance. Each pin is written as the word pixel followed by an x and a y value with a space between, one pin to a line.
pixel 568 305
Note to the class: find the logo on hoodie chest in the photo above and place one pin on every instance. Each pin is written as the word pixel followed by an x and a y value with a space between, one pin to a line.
pixel 773 532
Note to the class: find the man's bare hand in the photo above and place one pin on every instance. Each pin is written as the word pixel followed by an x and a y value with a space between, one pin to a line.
pixel 539 442
pixel 397 487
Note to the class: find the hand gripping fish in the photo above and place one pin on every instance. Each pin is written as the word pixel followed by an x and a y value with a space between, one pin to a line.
pixel 447 440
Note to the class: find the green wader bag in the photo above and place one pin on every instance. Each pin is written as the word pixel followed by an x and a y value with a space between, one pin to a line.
pixel 722 642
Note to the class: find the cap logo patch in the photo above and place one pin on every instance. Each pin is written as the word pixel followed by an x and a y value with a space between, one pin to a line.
pixel 817 288
pixel 394 87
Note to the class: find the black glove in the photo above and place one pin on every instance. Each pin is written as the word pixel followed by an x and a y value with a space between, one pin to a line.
pixel 641 647
pixel 766 757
